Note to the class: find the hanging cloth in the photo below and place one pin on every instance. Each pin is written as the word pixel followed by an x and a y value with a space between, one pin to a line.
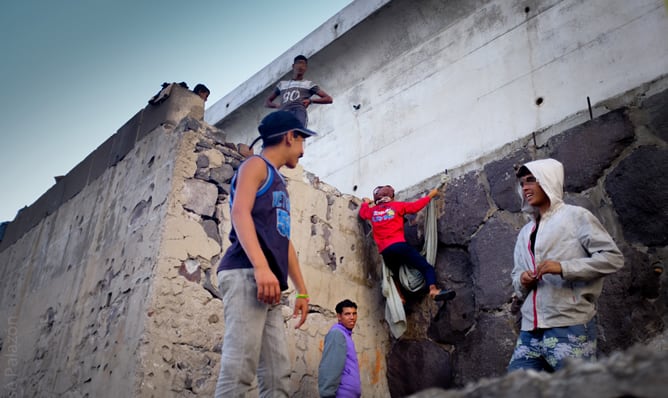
pixel 411 279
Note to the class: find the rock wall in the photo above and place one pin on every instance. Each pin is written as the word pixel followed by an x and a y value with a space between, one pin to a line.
pixel 615 167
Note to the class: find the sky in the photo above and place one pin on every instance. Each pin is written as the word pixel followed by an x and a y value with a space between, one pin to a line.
pixel 74 71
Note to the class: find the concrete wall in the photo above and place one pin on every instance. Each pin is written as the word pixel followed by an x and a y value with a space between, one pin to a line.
pixel 76 285
pixel 448 82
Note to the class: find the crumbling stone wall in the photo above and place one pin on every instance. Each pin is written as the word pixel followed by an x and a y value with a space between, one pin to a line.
pixel 185 320
pixel 614 166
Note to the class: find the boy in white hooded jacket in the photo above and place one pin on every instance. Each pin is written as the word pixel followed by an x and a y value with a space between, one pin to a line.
pixel 561 257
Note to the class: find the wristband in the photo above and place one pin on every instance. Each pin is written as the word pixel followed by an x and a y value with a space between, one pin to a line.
pixel 303 296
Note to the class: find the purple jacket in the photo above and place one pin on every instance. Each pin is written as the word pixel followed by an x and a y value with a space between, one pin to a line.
pixel 349 383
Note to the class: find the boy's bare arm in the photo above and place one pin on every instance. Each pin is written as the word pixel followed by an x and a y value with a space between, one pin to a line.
pixel 269 102
pixel 295 273
pixel 251 175
pixel 324 98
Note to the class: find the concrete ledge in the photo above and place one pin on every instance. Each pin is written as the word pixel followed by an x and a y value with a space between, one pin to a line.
pixel 101 159
pixel 125 138
pixel 76 179
pixel 29 217
pixel 180 103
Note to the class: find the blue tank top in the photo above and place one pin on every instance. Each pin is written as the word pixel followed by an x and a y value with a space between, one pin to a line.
pixel 271 216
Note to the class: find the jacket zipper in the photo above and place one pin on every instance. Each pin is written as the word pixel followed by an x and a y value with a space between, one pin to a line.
pixel 535 290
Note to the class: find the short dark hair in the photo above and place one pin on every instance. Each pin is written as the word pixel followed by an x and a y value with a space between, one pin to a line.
pixel 300 58
pixel 522 171
pixel 345 304
pixel 267 142
pixel 200 88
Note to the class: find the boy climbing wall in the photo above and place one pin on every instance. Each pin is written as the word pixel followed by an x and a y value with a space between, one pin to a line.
pixel 387 220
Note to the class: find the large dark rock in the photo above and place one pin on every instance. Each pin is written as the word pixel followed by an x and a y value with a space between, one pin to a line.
pixel 582 201
pixel 656 108
pixel 627 310
pixel 222 175
pixel 453 267
pixel 492 257
pixel 454 318
pixel 465 209
pixel 588 149
pixel 414 365
pixel 637 187
pixel 487 349
pixel 502 180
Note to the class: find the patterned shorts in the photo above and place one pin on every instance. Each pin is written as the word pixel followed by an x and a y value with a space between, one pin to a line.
pixel 546 349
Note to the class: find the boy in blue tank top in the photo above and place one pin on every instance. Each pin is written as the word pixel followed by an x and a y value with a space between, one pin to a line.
pixel 255 269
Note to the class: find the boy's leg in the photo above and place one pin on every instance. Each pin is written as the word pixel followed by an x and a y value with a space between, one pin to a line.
pixel 578 341
pixel 274 370
pixel 411 257
pixel 244 322
pixel 527 354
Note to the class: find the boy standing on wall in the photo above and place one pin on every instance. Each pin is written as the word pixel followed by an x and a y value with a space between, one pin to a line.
pixel 561 258
pixel 295 94
pixel 255 268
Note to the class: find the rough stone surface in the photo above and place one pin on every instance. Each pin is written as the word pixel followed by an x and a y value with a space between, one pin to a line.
pixel 492 257
pixel 637 187
pixel 415 365
pixel 222 175
pixel 638 372
pixel 487 348
pixel 211 229
pixel 465 209
pixel 588 149
pixel 454 319
pixel 655 107
pixel 628 309
pixel 502 180
pixel 202 161
pixel 200 197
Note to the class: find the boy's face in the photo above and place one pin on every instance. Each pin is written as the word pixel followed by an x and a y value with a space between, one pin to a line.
pixel 348 317
pixel 295 149
pixel 299 67
pixel 533 193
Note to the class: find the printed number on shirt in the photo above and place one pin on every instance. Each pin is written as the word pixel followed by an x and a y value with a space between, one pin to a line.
pixel 283 223
pixel 291 96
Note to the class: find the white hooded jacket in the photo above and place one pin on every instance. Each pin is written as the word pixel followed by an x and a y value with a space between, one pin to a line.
pixel 572 236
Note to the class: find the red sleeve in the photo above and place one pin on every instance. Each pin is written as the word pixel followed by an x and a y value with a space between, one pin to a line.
pixel 365 211
pixel 414 207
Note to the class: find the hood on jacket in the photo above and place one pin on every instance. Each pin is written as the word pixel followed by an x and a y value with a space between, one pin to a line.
pixel 549 174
